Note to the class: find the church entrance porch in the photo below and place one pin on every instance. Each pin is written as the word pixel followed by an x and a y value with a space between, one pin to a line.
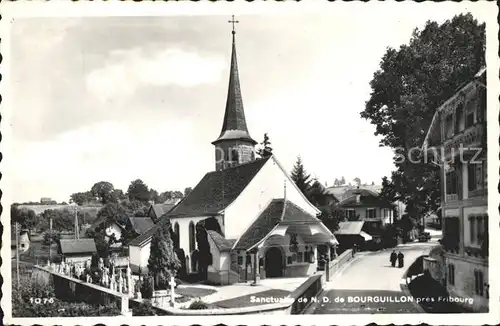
pixel 274 262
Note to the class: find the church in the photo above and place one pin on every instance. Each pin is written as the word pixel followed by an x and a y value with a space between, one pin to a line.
pixel 264 226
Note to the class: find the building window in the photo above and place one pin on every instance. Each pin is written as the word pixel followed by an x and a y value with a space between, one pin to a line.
pixel 235 157
pixel 451 274
pixel 240 260
pixel 451 233
pixel 479 282
pixel 300 257
pixel 470 113
pixel 476 176
pixel 472 229
pixel 371 212
pixel 192 239
pixel 351 214
pixel 449 126
pixel 451 183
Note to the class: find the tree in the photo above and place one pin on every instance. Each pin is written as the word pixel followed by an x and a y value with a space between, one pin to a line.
pixel 62 220
pixel 163 262
pixel 336 183
pixel 154 196
pixel 342 181
pixel 411 84
pixel 187 191
pixel 25 217
pixel 177 194
pixel 265 149
pixel 82 198
pixel 300 177
pixel 114 213
pixel 118 196
pixel 357 181
pixel 103 190
pixel 138 190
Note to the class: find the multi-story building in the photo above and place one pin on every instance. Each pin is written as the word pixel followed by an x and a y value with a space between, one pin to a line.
pixel 457 141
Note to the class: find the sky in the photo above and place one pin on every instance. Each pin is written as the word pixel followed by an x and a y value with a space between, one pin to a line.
pixel 122 98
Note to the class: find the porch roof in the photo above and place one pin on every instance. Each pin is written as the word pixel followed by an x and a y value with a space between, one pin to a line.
pixel 283 214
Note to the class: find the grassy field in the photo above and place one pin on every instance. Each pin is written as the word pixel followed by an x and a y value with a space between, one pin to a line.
pixel 38 209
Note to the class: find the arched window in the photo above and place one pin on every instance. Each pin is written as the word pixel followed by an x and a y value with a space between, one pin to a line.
pixel 177 234
pixel 192 239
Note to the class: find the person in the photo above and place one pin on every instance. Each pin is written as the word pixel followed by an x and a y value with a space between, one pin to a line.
pixel 393 258
pixel 401 258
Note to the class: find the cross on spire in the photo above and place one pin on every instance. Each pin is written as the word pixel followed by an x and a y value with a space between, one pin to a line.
pixel 232 21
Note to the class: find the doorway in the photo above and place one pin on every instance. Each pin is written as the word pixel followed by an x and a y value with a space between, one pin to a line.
pixel 274 262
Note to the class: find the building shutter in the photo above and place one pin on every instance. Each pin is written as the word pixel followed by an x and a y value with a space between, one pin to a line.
pixel 479 176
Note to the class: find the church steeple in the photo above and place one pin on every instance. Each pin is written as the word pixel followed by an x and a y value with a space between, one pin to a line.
pixel 234 144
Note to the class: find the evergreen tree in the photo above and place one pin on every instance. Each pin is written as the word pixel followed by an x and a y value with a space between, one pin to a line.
pixel 265 150
pixel 163 262
pixel 342 181
pixel 300 177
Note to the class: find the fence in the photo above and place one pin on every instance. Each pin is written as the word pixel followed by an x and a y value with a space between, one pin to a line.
pixel 71 289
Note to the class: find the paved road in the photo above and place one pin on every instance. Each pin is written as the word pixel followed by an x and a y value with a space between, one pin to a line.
pixel 369 276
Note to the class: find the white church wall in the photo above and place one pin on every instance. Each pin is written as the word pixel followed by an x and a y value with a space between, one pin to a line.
pixel 268 184
pixel 184 231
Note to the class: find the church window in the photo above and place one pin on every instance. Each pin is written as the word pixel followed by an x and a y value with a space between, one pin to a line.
pixel 177 234
pixel 289 260
pixel 300 257
pixel 192 240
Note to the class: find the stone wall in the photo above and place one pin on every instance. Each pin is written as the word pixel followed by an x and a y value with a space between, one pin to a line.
pixel 338 263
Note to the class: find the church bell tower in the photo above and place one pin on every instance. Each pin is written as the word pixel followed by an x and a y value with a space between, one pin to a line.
pixel 234 145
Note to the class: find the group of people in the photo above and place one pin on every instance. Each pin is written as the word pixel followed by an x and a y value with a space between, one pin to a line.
pixel 399 257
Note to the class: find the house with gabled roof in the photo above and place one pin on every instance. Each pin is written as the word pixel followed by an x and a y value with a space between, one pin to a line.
pixel 266 227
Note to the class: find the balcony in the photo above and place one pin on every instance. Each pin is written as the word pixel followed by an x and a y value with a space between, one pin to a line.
pixel 470 137
pixel 476 252
pixel 451 244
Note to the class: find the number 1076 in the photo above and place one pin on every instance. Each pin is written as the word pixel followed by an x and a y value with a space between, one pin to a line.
pixel 41 300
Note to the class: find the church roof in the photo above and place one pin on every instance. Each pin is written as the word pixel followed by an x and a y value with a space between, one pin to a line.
pixel 217 190
pixel 268 219
pixel 234 126
pixel 221 243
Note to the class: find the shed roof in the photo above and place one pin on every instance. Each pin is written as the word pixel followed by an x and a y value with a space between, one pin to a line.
pixel 76 246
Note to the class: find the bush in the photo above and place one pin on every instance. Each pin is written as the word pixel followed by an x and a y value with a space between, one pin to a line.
pixel 147 288
pixel 198 305
pixel 22 305
pixel 144 309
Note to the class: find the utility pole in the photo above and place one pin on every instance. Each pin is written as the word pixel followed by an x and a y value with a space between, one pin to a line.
pixel 17 254
pixel 77 236
pixel 50 240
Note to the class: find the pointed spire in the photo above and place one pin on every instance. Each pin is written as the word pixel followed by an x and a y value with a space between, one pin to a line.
pixel 234 126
